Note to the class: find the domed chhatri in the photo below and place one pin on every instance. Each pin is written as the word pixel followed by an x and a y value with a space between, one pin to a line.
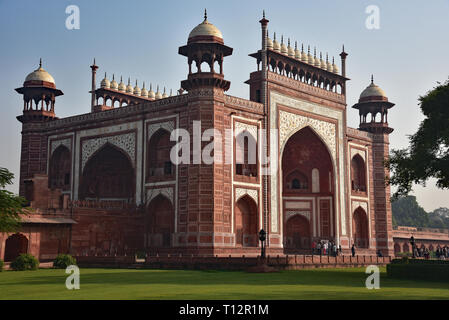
pixel 105 83
pixel 39 76
pixel 373 92
pixel 205 32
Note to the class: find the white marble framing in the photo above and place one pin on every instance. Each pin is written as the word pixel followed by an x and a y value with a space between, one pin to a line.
pixel 62 139
pixel 168 123
pixel 253 193
pixel 111 131
pixel 125 141
pixel 324 131
pixel 153 193
pixel 313 210
pixel 352 149
pixel 250 126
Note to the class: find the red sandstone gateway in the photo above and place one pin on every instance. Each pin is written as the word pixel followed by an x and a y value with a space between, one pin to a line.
pixel 102 183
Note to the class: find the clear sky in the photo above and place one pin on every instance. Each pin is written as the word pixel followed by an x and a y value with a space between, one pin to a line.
pixel 140 39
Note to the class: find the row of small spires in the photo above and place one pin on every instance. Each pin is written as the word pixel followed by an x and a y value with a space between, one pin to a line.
pixel 150 94
pixel 301 55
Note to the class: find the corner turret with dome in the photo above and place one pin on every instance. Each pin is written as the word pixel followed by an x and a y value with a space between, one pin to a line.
pixel 373 101
pixel 39 87
pixel 205 44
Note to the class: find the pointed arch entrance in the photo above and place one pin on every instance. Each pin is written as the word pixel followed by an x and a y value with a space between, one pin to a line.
pixel 60 169
pixel 14 246
pixel 308 190
pixel 297 233
pixel 360 228
pixel 108 175
pixel 160 224
pixel 246 224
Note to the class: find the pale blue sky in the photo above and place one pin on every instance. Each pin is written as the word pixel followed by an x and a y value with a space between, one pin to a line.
pixel 140 39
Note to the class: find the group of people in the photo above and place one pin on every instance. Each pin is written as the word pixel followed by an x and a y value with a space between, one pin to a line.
pixel 440 253
pixel 329 248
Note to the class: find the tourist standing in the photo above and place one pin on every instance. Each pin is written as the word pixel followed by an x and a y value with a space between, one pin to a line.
pixel 353 250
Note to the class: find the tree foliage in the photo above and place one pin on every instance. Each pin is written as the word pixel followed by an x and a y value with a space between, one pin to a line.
pixel 428 153
pixel 11 205
pixel 407 212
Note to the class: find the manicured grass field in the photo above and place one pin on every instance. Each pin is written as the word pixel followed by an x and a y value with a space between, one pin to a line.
pixel 185 284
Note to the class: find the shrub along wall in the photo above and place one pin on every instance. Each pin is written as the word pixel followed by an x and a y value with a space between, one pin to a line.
pixel 433 270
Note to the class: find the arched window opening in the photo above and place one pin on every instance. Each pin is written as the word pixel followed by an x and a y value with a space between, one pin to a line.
pixel 297 181
pixel 358 175
pixel 246 155
pixel 60 169
pixel 159 163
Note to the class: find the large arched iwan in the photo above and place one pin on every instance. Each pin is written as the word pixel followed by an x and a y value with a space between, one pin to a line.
pixel 308 175
pixel 108 175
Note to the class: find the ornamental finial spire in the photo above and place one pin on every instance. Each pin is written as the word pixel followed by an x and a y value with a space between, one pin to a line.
pixel 40 63
pixel 205 14
pixel 372 79
pixel 263 14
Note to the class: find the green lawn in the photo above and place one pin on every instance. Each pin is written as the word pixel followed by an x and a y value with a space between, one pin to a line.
pixel 185 284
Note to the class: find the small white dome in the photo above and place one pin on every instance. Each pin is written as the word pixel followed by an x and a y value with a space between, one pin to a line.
pixel 303 54
pixel 114 84
pixel 137 90
pixel 40 75
pixel 290 50
pixel 373 90
pixel 158 95
pixel 284 49
pixel 276 45
pixel 205 29
pixel 105 83
pixel 164 95
pixel 335 68
pixel 269 42
pixel 151 94
pixel 121 85
pixel 322 63
pixel 144 92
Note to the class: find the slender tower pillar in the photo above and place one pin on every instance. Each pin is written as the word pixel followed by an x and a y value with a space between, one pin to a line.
pixel 263 96
pixel 94 73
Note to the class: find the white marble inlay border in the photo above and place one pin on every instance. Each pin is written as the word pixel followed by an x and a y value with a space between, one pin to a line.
pixel 62 142
pixel 125 142
pixel 153 193
pixel 240 192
